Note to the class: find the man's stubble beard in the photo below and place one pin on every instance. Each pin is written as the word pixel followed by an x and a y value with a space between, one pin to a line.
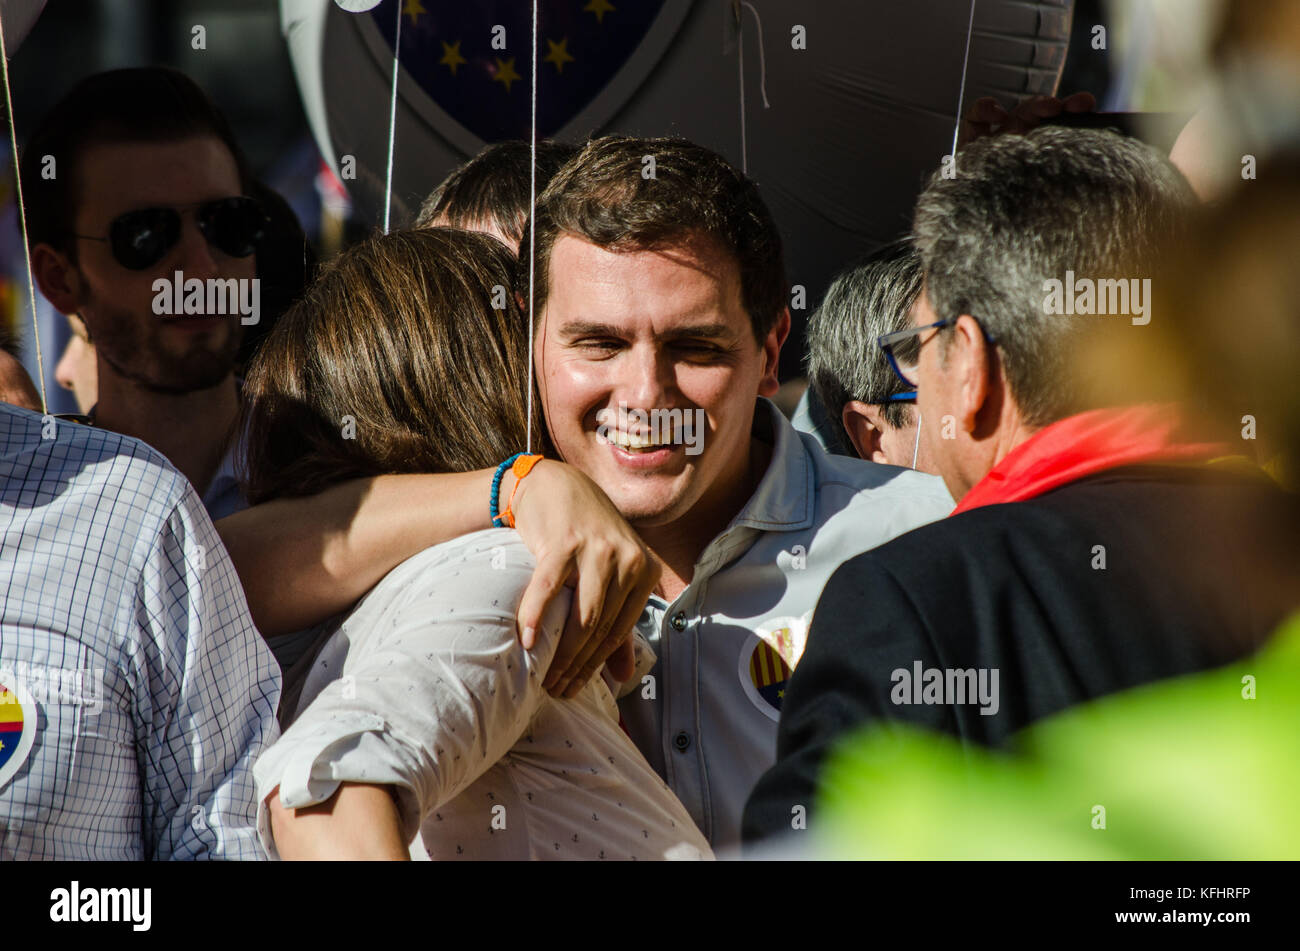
pixel 137 356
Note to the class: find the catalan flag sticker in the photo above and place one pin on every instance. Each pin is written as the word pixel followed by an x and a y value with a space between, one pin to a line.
pixel 769 658
pixel 17 726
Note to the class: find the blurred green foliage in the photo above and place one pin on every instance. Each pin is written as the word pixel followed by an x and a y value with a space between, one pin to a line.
pixel 1187 768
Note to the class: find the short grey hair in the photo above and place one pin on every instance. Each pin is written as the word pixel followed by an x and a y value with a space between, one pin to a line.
pixel 862 303
pixel 1024 209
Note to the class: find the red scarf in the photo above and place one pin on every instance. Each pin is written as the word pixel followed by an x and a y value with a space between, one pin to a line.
pixel 1082 445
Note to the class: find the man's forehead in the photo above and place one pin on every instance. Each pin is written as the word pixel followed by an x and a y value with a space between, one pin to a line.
pixel 679 282
pixel 575 255
pixel 127 175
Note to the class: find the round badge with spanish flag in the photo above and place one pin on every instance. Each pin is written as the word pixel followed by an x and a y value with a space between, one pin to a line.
pixel 769 658
pixel 17 726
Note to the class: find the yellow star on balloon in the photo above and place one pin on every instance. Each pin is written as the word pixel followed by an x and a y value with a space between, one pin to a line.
pixel 506 72
pixel 559 54
pixel 413 9
pixel 600 8
pixel 451 57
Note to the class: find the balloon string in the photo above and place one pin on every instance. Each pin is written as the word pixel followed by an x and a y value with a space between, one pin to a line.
pixel 961 95
pixel 532 231
pixel 22 218
pixel 762 80
pixel 392 122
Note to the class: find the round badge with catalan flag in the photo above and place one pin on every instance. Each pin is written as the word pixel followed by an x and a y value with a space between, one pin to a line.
pixel 769 658
pixel 17 726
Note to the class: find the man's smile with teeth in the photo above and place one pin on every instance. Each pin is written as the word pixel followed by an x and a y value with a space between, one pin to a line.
pixel 633 441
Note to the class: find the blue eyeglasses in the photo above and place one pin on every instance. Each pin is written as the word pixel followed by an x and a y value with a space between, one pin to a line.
pixel 904 350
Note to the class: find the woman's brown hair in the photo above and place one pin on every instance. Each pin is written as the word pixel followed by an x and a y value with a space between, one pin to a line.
pixel 408 354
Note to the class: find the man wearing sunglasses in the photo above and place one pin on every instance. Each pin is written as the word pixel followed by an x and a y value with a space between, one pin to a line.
pixel 849 373
pixel 1094 547
pixel 133 178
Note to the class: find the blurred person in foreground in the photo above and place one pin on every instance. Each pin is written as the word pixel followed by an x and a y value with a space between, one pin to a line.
pixel 492 192
pixel 1199 767
pixel 1094 547
pixel 850 374
pixel 423 714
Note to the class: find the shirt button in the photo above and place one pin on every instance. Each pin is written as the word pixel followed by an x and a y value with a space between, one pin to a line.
pixel 679 623
pixel 682 741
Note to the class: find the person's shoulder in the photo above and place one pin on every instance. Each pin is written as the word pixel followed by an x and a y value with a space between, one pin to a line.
pixel 869 482
pixel 493 564
pixel 491 549
pixel 872 502
pixel 47 454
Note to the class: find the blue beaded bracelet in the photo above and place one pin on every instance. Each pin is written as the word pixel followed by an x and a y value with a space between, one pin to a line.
pixel 494 508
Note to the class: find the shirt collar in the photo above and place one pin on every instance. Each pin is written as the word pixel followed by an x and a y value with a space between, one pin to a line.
pixel 224 496
pixel 784 500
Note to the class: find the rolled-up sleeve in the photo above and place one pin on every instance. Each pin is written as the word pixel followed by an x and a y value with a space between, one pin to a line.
pixel 434 690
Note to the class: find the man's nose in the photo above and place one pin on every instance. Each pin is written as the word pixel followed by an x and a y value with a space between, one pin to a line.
pixel 194 256
pixel 649 379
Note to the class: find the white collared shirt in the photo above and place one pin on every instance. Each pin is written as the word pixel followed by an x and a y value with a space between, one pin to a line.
pixel 705 714
pixel 425 687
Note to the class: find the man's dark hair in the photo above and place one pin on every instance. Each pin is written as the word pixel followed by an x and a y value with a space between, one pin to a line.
pixel 144 104
pixel 862 303
pixel 494 188
pixel 1025 209
pixel 612 195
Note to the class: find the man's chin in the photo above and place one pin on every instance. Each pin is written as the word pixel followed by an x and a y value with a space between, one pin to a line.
pixel 642 512
pixel 191 374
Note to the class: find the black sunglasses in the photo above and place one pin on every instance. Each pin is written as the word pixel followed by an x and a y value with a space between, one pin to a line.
pixel 140 239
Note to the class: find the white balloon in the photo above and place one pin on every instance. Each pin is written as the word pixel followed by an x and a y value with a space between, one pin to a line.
pixel 358 6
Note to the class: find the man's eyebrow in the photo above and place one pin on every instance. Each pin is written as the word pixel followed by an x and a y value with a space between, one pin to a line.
pixel 589 328
pixel 700 330
pixel 595 328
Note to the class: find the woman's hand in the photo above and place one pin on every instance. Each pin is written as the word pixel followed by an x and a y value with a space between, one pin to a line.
pixel 576 535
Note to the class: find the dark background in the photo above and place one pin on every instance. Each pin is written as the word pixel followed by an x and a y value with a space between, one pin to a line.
pixel 246 69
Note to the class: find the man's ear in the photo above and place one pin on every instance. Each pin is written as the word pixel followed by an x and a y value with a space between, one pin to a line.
pixel 968 362
pixel 865 427
pixel 770 382
pixel 57 278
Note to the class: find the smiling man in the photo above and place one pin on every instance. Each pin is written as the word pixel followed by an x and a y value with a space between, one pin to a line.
pixel 661 295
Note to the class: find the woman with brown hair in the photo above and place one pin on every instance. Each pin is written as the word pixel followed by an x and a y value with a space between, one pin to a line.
pixel 423 723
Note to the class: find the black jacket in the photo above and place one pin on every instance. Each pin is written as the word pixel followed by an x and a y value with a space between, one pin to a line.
pixel 1200 565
